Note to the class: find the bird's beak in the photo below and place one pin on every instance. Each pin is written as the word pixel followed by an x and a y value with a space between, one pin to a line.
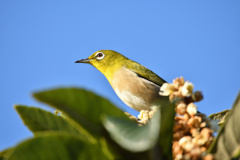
pixel 87 60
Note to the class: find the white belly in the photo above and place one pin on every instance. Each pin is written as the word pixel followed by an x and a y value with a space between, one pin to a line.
pixel 132 101
pixel 136 92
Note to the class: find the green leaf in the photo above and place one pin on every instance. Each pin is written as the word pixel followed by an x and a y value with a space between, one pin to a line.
pixel 166 130
pixel 56 146
pixel 221 116
pixel 130 135
pixel 236 154
pixel 228 139
pixel 5 153
pixel 38 120
pixel 155 137
pixel 83 106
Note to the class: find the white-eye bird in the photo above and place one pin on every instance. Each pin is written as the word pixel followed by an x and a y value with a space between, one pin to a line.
pixel 137 86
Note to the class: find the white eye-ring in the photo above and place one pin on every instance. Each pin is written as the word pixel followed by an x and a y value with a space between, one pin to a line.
pixel 99 55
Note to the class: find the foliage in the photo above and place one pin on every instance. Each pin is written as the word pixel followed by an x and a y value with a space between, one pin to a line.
pixel 91 127
pixel 221 116
pixel 226 145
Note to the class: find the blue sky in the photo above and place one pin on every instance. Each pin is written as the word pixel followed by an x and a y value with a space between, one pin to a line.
pixel 40 41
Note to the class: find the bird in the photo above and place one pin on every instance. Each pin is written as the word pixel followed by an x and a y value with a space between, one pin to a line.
pixel 137 86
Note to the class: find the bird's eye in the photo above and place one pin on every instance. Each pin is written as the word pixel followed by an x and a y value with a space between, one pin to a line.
pixel 100 55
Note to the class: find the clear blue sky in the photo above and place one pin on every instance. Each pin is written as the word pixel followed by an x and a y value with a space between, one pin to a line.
pixel 40 41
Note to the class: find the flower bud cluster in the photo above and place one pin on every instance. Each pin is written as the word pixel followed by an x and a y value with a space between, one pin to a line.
pixel 192 132
pixel 180 89
pixel 144 116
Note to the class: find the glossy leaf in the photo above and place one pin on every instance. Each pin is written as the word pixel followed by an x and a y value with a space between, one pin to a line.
pixel 130 135
pixel 5 153
pixel 155 136
pixel 83 106
pixel 166 130
pixel 228 140
pixel 221 116
pixel 38 120
pixel 56 146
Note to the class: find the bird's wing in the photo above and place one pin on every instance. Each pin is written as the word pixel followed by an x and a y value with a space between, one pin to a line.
pixel 145 73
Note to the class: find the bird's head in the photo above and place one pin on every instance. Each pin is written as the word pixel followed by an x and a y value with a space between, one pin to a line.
pixel 106 61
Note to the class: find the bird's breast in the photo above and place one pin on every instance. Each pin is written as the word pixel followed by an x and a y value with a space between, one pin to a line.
pixel 136 92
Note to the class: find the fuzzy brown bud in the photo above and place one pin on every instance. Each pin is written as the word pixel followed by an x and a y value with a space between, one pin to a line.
pixel 197 96
pixel 181 108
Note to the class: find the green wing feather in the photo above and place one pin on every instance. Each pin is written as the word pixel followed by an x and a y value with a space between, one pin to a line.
pixel 145 73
